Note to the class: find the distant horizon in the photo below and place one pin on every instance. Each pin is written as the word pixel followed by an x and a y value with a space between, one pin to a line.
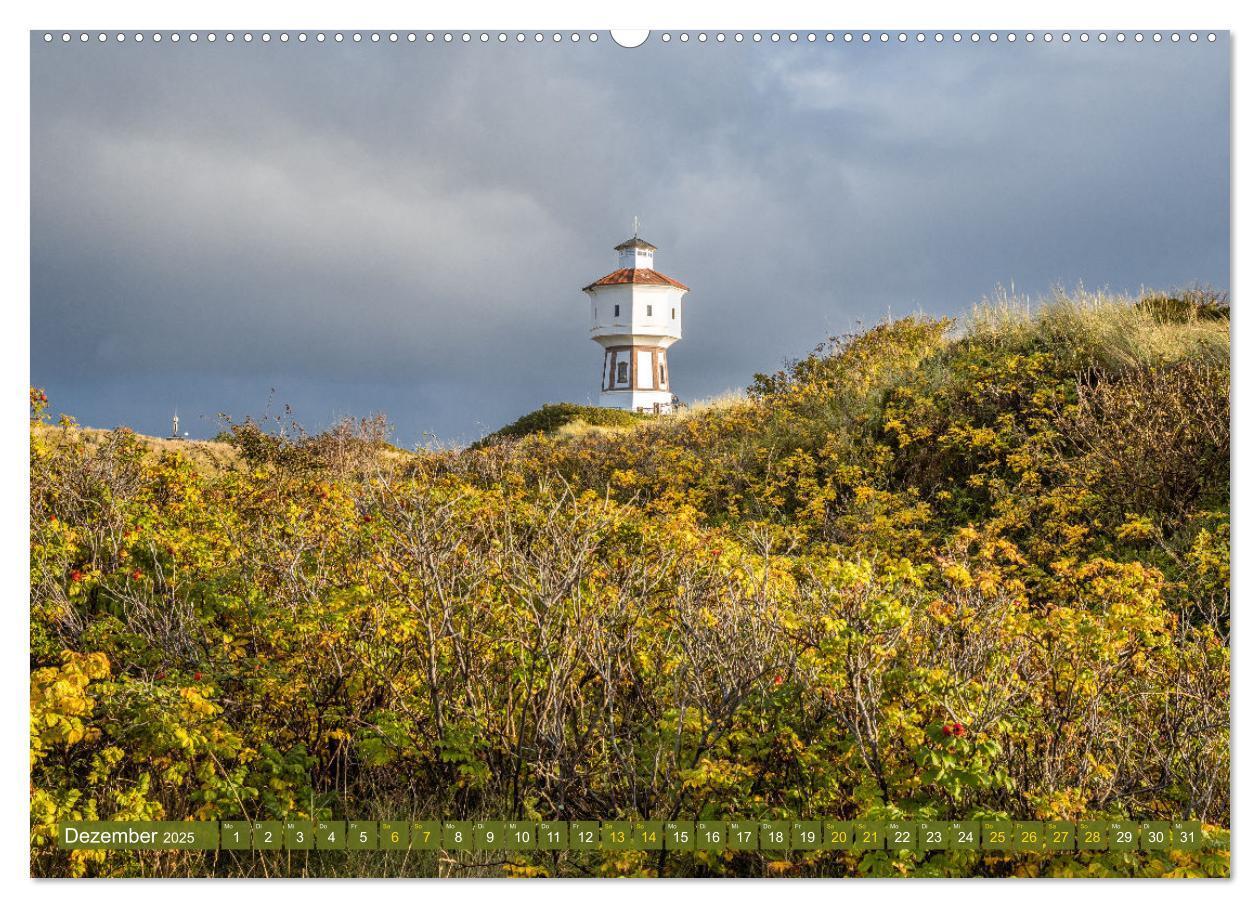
pixel 406 229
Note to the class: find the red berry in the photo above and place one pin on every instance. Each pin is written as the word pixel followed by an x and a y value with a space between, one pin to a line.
pixel 959 730
pixel 947 728
pixel 196 676
pixel 136 575
pixel 76 576
pixel 778 679
pixel 159 676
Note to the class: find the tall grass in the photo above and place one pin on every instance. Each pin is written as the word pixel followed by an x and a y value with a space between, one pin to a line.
pixel 1096 330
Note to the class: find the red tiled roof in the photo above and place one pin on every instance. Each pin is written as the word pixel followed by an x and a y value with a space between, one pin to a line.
pixel 636 276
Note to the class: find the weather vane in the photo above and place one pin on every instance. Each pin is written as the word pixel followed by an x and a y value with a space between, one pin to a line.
pixel 636 225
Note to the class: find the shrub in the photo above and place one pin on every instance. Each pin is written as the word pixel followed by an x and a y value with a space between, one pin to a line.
pixel 767 609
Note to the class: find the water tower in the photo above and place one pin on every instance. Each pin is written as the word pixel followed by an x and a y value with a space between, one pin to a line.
pixel 636 314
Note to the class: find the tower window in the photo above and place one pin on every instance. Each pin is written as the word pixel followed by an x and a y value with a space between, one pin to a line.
pixel 616 311
pixel 649 309
pixel 673 313
pixel 623 373
pixel 662 375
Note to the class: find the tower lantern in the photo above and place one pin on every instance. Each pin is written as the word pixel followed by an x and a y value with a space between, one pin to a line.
pixel 636 314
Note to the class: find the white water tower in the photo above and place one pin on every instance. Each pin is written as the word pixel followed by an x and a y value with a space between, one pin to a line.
pixel 636 314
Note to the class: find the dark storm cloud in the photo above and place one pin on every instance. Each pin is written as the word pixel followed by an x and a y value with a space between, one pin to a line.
pixel 406 227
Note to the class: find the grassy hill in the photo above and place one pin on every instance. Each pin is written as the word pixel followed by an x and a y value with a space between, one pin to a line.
pixel 551 418
pixel 937 569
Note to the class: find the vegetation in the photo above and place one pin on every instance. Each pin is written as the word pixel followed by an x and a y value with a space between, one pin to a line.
pixel 551 418
pixel 930 571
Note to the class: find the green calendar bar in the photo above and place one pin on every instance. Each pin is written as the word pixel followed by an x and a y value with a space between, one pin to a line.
pixel 837 835
pixel 649 836
pixel 901 835
pixel 520 835
pixel 457 836
pixel 330 835
pixel 868 835
pixel 235 835
pixel 553 836
pixel 394 835
pixel 775 835
pixel 139 836
pixel 1060 836
pixel 680 836
pixel 1029 838
pixel 1187 836
pixel 933 835
pixel 710 835
pixel 299 835
pixel 963 836
pixel 1091 835
pixel 268 835
pixel 1011 837
pixel 584 835
pixel 1155 836
pixel 807 835
pixel 426 835
pixel 489 836
pixel 997 835
pixel 742 835
pixel 1123 835
pixel 617 836
pixel 361 835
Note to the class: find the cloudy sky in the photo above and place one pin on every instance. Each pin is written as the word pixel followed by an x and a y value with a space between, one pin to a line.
pixel 406 228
